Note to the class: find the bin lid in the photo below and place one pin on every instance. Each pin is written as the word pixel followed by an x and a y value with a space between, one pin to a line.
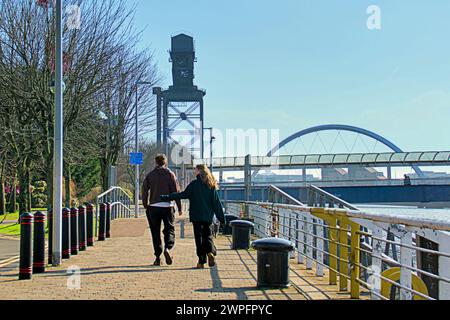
pixel 242 224
pixel 273 244
pixel 231 216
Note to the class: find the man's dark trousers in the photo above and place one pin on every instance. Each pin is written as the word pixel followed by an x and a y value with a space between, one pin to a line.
pixel 155 216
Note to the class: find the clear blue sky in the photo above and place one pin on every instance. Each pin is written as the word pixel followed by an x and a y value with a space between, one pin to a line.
pixel 293 64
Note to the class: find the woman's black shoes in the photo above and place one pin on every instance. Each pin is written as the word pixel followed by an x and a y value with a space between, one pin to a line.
pixel 157 262
pixel 211 260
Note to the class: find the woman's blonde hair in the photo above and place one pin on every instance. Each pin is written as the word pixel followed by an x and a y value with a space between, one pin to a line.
pixel 207 177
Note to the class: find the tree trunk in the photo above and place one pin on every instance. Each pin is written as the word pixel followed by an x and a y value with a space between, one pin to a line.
pixel 104 174
pixel 12 203
pixel 2 197
pixel 29 187
pixel 2 190
pixel 49 181
pixel 24 189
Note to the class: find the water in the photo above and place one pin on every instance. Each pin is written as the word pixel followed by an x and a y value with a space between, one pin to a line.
pixel 413 213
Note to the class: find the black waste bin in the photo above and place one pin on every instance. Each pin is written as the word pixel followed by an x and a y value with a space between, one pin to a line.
pixel 273 262
pixel 228 219
pixel 241 230
pixel 252 220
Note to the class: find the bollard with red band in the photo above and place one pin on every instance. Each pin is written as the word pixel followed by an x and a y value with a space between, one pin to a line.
pixel 26 246
pixel 50 235
pixel 74 240
pixel 102 223
pixel 39 243
pixel 108 220
pixel 66 234
pixel 90 225
pixel 82 227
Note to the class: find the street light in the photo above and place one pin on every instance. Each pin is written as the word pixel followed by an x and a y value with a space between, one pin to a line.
pixel 211 140
pixel 136 148
pixel 58 141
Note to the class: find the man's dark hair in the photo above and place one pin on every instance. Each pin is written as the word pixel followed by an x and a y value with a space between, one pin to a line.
pixel 161 160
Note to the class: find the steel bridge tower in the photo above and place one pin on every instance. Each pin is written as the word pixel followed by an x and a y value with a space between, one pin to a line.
pixel 180 108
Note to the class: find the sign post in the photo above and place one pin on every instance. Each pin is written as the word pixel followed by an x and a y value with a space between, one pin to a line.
pixel 137 159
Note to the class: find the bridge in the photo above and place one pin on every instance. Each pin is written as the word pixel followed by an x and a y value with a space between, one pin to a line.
pixel 421 190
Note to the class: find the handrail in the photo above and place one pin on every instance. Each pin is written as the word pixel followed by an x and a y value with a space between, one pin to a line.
pixel 112 189
pixel 283 195
pixel 315 190
pixel 403 159
pixel 319 232
pixel 114 194
pixel 410 221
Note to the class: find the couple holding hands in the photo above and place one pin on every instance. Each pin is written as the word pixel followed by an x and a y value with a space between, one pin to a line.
pixel 160 188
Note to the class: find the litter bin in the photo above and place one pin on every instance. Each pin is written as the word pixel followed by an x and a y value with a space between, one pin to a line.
pixel 273 262
pixel 228 219
pixel 252 220
pixel 241 231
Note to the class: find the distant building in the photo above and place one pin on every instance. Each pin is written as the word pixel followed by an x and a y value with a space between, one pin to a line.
pixel 364 173
pixel 334 174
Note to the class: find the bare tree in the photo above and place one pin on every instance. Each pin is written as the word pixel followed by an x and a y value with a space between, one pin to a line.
pixel 101 66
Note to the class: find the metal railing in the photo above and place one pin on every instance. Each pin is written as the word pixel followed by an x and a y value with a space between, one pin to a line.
pixel 120 204
pixel 349 245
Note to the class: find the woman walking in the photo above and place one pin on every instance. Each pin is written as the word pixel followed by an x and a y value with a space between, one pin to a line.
pixel 204 203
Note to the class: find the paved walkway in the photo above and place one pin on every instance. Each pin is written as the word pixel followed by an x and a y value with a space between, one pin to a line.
pixel 120 268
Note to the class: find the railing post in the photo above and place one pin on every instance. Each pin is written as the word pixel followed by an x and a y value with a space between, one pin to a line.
pixel 319 257
pixel 355 261
pixel 333 250
pixel 377 264
pixel 444 271
pixel 311 195
pixel 292 235
pixel 309 242
pixel 405 273
pixel 343 255
pixel 301 238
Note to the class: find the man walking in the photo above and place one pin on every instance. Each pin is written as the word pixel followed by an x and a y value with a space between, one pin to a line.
pixel 158 182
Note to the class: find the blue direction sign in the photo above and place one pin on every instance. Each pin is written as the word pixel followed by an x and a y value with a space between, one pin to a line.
pixel 136 158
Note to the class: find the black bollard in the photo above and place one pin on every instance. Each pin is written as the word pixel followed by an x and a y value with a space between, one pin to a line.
pixel 108 220
pixel 26 246
pixel 102 223
pixel 50 235
pixel 39 243
pixel 66 234
pixel 90 225
pixel 82 227
pixel 74 240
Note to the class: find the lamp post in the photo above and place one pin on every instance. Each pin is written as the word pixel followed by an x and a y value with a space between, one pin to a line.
pixel 58 142
pixel 211 140
pixel 136 148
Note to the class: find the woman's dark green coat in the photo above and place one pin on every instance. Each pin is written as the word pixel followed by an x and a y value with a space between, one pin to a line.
pixel 204 202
